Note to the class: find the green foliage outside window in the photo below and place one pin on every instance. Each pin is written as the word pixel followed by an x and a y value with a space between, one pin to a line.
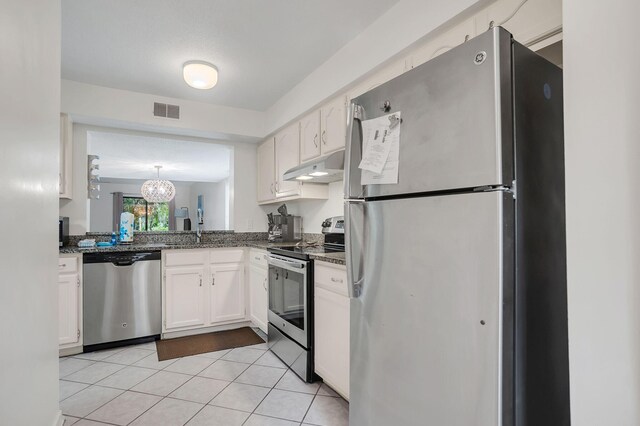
pixel 148 216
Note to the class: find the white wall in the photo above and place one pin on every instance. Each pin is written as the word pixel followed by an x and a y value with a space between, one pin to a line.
pixel 101 210
pixel 314 212
pixel 602 130
pixel 29 149
pixel 215 204
pixel 246 214
pixel 401 26
pixel 124 109
pixel 78 210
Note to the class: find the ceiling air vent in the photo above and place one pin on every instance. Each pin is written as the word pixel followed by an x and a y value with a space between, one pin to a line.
pixel 166 110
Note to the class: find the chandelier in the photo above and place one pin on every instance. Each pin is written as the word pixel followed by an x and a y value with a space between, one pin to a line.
pixel 158 190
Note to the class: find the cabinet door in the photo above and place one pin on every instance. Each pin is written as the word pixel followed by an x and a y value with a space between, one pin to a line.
pixel 266 171
pixel 287 156
pixel 334 125
pixel 227 300
pixel 331 328
pixel 258 296
pixel 68 326
pixel 310 137
pixel 184 297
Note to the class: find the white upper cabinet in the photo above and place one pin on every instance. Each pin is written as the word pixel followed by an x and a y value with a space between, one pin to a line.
pixel 65 171
pixel 333 121
pixel 310 137
pixel 533 21
pixel 323 131
pixel 266 171
pixel 287 156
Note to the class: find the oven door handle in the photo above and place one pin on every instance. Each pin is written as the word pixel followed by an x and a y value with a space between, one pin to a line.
pixel 284 263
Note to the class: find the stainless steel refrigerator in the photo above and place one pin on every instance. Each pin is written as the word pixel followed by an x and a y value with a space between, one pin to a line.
pixel 457 272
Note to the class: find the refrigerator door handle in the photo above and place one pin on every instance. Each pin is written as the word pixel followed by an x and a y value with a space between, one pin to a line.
pixel 353 152
pixel 354 211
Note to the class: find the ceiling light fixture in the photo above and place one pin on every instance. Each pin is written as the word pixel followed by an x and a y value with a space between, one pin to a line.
pixel 200 75
pixel 158 190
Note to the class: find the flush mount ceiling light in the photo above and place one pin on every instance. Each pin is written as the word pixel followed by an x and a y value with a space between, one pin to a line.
pixel 200 75
pixel 158 190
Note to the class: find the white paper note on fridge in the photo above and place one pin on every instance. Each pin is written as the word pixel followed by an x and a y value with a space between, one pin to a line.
pixel 381 150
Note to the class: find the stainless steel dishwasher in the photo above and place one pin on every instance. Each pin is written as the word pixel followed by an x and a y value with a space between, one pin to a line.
pixel 122 298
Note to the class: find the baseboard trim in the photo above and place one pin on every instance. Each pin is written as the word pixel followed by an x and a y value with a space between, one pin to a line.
pixel 59 419
pixel 182 333
pixel 70 351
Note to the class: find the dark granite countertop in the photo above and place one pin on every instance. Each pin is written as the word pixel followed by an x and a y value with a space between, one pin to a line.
pixel 337 258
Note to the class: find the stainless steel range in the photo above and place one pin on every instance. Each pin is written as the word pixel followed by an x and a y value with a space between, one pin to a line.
pixel 290 313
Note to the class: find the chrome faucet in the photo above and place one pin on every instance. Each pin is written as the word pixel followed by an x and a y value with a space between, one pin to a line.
pixel 199 224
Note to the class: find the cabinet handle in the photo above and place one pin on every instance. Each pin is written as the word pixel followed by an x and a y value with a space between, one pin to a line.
pixel 200 280
pixel 264 284
pixel 324 137
pixel 213 280
pixel 256 257
pixel 336 280
pixel 277 187
pixel 64 265
pixel 271 187
pixel 315 140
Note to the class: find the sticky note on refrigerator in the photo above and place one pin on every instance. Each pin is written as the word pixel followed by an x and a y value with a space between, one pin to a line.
pixel 381 150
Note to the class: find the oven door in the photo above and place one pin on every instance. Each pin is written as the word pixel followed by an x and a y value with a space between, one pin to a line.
pixel 288 301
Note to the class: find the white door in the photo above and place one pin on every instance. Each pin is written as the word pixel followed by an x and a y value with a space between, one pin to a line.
pixel 258 300
pixel 333 121
pixel 331 328
pixel 227 300
pixel 287 156
pixel 266 171
pixel 184 297
pixel 310 137
pixel 68 326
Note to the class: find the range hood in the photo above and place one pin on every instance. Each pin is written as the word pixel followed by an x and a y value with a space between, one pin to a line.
pixel 325 169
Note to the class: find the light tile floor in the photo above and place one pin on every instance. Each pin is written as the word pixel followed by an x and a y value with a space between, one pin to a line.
pixel 245 386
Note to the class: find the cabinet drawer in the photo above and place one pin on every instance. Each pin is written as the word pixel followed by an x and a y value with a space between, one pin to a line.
pixel 67 264
pixel 186 257
pixel 227 256
pixel 331 277
pixel 258 258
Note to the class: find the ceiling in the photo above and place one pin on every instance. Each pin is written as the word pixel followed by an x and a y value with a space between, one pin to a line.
pixel 261 48
pixel 124 156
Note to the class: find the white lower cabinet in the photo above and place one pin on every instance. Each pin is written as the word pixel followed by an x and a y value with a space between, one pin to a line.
pixel 227 300
pixel 202 288
pixel 258 288
pixel 184 296
pixel 331 326
pixel 70 301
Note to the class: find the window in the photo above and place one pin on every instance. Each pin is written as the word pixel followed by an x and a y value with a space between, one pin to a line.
pixel 148 216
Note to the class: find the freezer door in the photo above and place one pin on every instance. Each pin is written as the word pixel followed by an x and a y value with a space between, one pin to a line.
pixel 456 129
pixel 427 332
